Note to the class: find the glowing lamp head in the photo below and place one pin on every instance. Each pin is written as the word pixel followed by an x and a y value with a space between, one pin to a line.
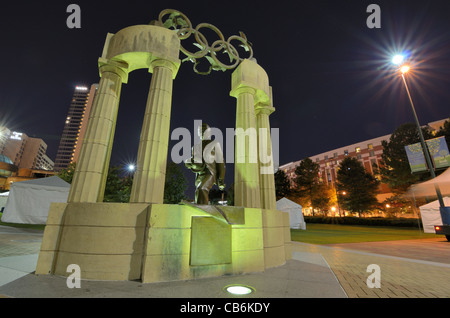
pixel 131 167
pixel 404 69
pixel 398 59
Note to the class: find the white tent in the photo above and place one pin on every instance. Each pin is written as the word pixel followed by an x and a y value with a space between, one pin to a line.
pixel 428 189
pixel 295 213
pixel 29 201
pixel 431 216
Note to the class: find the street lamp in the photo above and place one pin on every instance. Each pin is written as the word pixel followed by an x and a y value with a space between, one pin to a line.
pixel 445 211
pixel 398 59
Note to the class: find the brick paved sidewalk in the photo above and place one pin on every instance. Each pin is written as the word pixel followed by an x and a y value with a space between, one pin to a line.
pixel 401 277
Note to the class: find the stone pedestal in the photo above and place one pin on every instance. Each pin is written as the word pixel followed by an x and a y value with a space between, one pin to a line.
pixel 161 242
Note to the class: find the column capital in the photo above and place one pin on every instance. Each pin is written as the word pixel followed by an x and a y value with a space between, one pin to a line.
pixel 250 75
pixel 118 67
pixel 264 109
pixel 241 90
pixel 173 66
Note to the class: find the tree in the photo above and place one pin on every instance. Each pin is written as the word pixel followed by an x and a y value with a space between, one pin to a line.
pixel 306 181
pixel 118 188
pixel 394 169
pixel 360 186
pixel 320 197
pixel 445 131
pixel 175 184
pixel 67 174
pixel 282 184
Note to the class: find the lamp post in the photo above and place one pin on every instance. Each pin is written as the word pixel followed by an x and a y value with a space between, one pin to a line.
pixel 444 211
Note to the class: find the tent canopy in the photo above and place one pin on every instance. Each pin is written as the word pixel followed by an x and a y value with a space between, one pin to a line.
pixel 54 182
pixel 296 220
pixel 431 215
pixel 427 188
pixel 29 201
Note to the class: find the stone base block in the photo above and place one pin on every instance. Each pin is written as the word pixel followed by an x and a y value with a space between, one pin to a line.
pixel 160 242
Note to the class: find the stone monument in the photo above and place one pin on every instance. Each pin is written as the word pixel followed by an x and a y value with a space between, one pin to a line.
pixel 146 239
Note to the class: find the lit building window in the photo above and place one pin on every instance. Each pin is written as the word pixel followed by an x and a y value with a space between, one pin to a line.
pixel 357 149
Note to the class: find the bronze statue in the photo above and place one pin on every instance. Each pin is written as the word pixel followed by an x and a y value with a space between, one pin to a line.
pixel 208 164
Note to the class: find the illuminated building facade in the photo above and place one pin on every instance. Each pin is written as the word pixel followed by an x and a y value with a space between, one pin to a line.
pixel 22 158
pixel 24 151
pixel 75 126
pixel 368 152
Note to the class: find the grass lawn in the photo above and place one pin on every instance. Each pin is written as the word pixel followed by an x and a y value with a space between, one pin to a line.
pixel 336 233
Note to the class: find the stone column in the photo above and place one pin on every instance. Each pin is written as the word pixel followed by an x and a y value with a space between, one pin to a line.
pixel 266 176
pixel 149 178
pixel 246 172
pixel 250 86
pixel 89 180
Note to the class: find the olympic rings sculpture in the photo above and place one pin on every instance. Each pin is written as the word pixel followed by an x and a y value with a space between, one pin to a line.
pixel 179 22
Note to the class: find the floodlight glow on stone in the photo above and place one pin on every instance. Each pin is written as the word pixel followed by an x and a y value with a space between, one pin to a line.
pixel 397 59
pixel 239 289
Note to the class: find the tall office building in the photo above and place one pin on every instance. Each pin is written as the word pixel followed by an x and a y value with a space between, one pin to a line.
pixel 75 126
pixel 24 151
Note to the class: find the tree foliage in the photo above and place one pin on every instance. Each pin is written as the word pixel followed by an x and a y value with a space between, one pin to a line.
pixel 306 178
pixel 118 186
pixel 282 184
pixel 67 174
pixel 394 169
pixel 175 184
pixel 360 187
pixel 445 131
pixel 308 188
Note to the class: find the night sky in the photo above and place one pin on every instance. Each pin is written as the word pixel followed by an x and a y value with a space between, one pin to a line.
pixel 332 81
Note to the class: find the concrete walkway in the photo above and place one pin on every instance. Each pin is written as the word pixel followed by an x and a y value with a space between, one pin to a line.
pixel 307 275
pixel 408 269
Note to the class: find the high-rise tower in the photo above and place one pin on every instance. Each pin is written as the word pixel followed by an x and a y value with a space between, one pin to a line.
pixel 75 126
